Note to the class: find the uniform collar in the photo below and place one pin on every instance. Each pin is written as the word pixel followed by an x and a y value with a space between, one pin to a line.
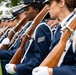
pixel 66 19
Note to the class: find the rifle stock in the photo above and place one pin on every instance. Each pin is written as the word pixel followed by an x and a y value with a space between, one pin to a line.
pixel 12 32
pixel 3 31
pixel 18 55
pixel 14 38
pixel 54 56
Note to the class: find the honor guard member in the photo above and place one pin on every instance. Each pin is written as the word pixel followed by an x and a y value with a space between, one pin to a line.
pixel 64 11
pixel 37 45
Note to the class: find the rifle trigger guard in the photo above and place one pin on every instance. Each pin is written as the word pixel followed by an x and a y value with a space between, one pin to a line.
pixel 69 28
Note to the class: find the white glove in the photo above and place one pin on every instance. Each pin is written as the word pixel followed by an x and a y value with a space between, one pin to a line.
pixel 10 68
pixel 40 71
pixel 0 45
pixel 6 41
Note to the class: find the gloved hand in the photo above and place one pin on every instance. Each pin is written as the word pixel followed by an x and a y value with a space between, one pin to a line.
pixel 6 41
pixel 0 45
pixel 40 71
pixel 10 68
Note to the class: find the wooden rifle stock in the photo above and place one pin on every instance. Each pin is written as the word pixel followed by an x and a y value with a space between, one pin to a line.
pixel 16 28
pixel 54 56
pixel 14 37
pixel 18 55
pixel 12 32
pixel 3 31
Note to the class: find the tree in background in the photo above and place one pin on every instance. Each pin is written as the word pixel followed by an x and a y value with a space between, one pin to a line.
pixel 12 3
pixel 7 5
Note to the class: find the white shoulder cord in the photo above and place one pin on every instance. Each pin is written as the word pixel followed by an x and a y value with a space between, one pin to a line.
pixel 68 41
pixel 73 38
pixel 65 51
pixel 24 56
pixel 31 40
pixel 74 42
pixel 43 23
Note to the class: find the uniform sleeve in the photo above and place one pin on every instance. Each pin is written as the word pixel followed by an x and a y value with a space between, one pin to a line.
pixel 65 70
pixel 41 49
pixel 68 67
pixel 6 54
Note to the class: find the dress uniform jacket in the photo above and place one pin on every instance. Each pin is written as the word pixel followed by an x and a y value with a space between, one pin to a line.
pixel 38 50
pixel 68 66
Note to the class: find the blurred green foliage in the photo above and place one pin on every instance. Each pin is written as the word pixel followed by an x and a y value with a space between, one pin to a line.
pixel 12 2
pixel 0 69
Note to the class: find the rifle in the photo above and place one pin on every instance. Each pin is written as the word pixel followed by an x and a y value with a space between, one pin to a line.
pixel 10 24
pixel 3 30
pixel 4 27
pixel 13 22
pixel 18 55
pixel 12 32
pixel 14 38
pixel 2 23
pixel 17 37
pixel 54 56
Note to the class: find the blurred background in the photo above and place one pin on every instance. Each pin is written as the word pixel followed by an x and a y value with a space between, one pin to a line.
pixel 7 6
pixel 11 3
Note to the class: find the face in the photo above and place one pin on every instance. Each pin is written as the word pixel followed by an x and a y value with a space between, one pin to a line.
pixel 54 9
pixel 31 13
pixel 22 15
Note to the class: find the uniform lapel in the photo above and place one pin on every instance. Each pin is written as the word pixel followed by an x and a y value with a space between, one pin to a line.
pixel 56 37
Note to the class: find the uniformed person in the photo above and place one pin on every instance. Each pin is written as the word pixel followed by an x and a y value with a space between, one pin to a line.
pixel 64 11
